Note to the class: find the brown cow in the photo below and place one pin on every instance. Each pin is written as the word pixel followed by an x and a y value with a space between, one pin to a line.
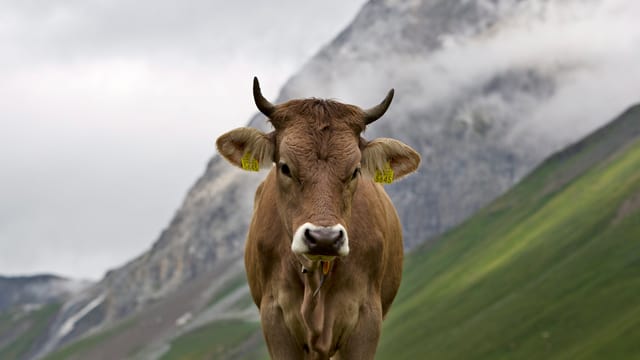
pixel 324 250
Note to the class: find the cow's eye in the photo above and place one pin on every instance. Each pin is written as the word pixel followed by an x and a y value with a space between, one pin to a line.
pixel 356 172
pixel 284 169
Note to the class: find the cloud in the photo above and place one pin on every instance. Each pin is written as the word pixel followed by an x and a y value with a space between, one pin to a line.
pixel 590 50
pixel 110 111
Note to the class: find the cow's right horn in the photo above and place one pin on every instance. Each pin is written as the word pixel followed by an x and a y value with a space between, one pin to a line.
pixel 377 111
pixel 263 104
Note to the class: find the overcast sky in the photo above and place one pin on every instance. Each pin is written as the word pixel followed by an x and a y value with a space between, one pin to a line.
pixel 109 111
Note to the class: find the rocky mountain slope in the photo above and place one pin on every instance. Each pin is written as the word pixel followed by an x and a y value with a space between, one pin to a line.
pixel 478 116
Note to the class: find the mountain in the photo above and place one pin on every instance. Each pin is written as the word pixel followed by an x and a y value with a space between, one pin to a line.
pixel 36 290
pixel 27 307
pixel 483 114
pixel 547 271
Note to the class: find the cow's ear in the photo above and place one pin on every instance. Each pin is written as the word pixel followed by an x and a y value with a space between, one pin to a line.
pixel 247 148
pixel 387 160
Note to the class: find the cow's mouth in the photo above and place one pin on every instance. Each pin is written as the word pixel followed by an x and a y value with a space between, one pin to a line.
pixel 313 257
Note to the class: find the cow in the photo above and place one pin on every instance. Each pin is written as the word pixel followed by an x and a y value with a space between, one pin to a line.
pixel 324 251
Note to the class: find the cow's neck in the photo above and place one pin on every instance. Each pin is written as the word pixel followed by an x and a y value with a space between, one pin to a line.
pixel 313 305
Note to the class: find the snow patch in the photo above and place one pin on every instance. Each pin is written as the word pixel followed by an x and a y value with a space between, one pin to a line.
pixel 68 325
pixel 182 320
pixel 30 307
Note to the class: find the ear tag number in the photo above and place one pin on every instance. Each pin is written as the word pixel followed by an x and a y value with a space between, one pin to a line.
pixel 385 176
pixel 249 163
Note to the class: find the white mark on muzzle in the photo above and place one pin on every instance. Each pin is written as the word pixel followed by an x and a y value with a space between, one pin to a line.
pixel 299 245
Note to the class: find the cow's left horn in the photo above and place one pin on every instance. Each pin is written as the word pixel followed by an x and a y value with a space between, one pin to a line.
pixel 263 104
pixel 377 111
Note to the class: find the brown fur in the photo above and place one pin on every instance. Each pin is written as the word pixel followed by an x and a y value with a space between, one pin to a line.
pixel 320 143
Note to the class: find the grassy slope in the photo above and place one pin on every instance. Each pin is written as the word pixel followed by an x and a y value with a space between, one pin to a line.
pixel 548 271
pixel 33 326
pixel 225 339
pixel 76 349
pixel 214 341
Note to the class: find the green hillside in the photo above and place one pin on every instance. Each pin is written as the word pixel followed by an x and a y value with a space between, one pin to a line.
pixel 221 339
pixel 20 329
pixel 551 270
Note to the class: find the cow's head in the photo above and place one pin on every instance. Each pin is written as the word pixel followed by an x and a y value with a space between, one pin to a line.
pixel 320 158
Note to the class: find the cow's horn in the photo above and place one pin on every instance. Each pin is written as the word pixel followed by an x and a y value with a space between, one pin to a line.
pixel 263 104
pixel 377 111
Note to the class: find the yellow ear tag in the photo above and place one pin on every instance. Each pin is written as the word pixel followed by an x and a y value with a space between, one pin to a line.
pixel 249 163
pixel 385 176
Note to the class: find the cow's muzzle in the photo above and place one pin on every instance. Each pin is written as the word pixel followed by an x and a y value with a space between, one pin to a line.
pixel 320 241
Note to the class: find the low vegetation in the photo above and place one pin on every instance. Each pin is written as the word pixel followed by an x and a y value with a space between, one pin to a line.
pixel 220 339
pixel 20 329
pixel 76 349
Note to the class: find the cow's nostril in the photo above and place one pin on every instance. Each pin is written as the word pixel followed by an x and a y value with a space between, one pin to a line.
pixel 308 236
pixel 339 240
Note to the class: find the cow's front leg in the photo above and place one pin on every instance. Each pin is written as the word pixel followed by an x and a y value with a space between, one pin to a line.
pixel 281 344
pixel 364 338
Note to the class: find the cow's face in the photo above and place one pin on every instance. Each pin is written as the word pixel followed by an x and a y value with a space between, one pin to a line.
pixel 320 160
pixel 318 169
